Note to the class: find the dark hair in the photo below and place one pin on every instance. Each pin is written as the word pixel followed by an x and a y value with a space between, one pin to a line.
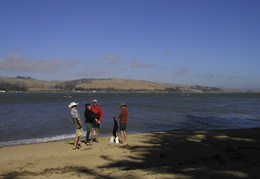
pixel 86 105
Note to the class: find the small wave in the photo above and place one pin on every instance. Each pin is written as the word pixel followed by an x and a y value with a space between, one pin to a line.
pixel 45 139
pixel 37 140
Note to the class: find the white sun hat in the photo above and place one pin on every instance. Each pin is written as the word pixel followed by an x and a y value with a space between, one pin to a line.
pixel 73 104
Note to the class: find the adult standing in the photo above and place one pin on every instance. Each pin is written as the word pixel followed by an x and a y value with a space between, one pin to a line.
pixel 123 116
pixel 89 119
pixel 75 116
pixel 98 114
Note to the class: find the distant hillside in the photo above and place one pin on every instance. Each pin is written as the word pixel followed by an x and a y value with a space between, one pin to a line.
pixel 108 84
pixel 123 84
pixel 31 84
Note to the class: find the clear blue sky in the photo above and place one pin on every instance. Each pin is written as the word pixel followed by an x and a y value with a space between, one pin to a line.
pixel 193 42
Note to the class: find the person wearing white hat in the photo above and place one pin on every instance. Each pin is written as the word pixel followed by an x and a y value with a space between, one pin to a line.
pixel 77 123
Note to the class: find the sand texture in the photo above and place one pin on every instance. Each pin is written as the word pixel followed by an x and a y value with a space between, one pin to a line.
pixel 215 154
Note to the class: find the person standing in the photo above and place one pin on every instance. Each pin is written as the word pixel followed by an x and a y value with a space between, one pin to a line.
pixel 98 114
pixel 123 116
pixel 89 119
pixel 77 123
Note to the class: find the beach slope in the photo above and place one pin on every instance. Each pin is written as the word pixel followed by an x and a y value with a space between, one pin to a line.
pixel 214 154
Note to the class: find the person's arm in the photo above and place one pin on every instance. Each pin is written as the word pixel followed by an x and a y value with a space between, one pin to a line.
pixel 123 116
pixel 78 118
pixel 123 113
pixel 80 122
pixel 91 116
pixel 101 114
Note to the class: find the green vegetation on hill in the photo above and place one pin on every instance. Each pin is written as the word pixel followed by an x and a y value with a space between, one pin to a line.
pixel 29 84
pixel 8 87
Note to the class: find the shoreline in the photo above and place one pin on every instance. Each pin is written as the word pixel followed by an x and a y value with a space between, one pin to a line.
pixel 226 153
pixel 50 139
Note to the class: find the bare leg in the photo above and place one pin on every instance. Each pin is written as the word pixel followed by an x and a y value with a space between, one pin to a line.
pixel 122 136
pixel 96 134
pixel 124 139
pixel 124 133
pixel 76 141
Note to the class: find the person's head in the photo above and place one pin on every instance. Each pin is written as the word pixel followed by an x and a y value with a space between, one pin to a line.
pixel 88 106
pixel 123 105
pixel 95 102
pixel 73 105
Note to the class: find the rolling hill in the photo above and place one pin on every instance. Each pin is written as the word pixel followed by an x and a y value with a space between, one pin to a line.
pixel 34 85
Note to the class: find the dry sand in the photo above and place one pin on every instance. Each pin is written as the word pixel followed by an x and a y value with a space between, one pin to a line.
pixel 172 154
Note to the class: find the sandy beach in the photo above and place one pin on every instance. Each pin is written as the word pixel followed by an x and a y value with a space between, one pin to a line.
pixel 170 154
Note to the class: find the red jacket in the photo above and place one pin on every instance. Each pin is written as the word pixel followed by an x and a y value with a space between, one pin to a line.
pixel 97 110
pixel 123 116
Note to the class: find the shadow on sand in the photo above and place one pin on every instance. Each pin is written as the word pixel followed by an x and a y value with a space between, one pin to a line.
pixel 182 154
pixel 197 154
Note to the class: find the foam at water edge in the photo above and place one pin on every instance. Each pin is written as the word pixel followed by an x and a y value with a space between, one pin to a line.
pixel 46 139
pixel 38 140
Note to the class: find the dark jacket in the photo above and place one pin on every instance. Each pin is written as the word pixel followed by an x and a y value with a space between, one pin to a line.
pixel 89 116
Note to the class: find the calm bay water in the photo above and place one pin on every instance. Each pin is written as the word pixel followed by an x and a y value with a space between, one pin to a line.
pixel 42 117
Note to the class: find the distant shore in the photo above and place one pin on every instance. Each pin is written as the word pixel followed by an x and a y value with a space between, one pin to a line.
pixel 29 84
pixel 233 153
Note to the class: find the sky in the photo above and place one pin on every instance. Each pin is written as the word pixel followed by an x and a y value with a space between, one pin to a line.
pixel 212 43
